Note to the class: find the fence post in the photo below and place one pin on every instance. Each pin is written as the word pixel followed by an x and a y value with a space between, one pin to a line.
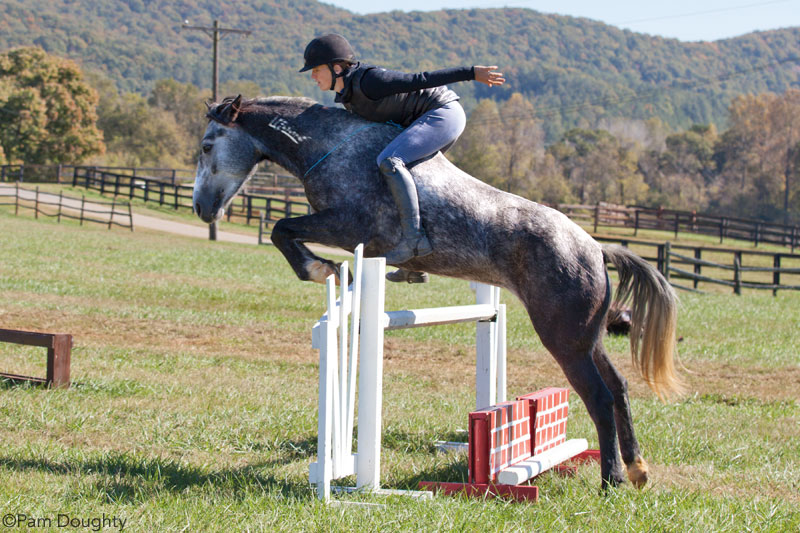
pixel 794 238
pixel 147 190
pixel 36 204
pixel 677 223
pixel 130 215
pixel 261 228
pixel 21 172
pixel 83 202
pixel 660 258
pixel 111 215
pixel 60 201
pixel 176 197
pixel 697 267
pixel 667 250
pixel 58 174
pixel 737 273
pixel 16 200
pixel 636 223
pixel 249 208
pixel 757 232
pixel 116 185
pixel 596 216
pixel 776 276
pixel 721 229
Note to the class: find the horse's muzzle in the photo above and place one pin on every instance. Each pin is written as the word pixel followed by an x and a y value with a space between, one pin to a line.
pixel 209 211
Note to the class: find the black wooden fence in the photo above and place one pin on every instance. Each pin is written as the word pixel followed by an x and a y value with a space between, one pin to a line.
pixel 724 227
pixel 729 267
pixel 113 213
pixel 273 203
pixel 274 195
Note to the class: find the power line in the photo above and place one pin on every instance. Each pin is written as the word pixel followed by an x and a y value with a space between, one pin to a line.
pixel 695 13
pixel 615 101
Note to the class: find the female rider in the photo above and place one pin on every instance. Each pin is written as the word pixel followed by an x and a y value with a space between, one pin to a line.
pixel 428 111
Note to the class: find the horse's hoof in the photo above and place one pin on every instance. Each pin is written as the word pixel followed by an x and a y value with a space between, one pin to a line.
pixel 319 271
pixel 409 276
pixel 638 472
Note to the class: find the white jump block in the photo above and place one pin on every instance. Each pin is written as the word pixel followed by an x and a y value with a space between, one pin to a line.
pixel 535 465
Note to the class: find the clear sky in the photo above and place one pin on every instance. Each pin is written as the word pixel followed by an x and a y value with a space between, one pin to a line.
pixel 687 20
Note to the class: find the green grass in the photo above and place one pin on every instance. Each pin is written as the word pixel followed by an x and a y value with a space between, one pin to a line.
pixel 193 405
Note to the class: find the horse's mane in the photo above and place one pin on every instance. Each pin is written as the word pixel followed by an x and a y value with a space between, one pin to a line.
pixel 230 107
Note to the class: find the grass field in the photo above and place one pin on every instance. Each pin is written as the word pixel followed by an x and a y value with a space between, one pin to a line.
pixel 193 405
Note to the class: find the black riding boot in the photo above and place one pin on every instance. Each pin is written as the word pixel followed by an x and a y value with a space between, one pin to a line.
pixel 414 242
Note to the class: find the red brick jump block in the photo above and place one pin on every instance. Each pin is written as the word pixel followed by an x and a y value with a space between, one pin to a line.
pixel 512 442
pixel 499 436
pixel 59 347
pixel 549 409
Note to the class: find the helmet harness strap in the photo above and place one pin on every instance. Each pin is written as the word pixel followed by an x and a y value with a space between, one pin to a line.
pixel 334 75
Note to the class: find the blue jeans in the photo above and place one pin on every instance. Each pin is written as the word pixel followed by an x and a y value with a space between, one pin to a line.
pixel 436 130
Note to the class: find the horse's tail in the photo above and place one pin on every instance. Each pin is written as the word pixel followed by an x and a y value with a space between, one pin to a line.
pixel 653 319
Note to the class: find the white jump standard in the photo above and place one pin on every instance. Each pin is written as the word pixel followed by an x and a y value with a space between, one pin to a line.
pixel 340 359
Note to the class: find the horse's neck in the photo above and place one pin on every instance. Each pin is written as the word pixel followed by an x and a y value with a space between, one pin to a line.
pixel 298 142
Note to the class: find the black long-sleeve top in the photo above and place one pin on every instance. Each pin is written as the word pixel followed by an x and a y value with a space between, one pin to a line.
pixel 380 82
pixel 381 95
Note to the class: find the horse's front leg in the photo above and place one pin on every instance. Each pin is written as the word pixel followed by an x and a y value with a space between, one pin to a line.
pixel 326 227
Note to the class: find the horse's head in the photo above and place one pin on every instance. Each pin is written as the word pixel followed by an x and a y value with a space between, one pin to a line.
pixel 228 157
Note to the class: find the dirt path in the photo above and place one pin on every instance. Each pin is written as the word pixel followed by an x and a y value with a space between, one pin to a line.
pixel 102 212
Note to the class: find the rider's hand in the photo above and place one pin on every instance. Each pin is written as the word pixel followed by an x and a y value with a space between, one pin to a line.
pixel 488 76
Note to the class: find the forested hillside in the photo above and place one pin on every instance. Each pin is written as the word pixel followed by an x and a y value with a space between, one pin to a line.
pixel 574 71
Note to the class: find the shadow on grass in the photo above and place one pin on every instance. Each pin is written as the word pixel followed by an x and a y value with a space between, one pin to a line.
pixel 125 478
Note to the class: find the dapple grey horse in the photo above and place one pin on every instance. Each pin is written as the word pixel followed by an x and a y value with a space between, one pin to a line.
pixel 478 233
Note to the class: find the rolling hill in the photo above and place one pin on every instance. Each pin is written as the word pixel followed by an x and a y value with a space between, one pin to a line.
pixel 574 70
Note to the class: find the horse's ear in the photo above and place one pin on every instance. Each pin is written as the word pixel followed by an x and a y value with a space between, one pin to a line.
pixel 226 112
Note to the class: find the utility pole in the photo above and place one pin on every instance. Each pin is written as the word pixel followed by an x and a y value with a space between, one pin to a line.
pixel 216 33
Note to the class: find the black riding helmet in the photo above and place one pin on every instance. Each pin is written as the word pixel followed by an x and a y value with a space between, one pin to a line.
pixel 326 50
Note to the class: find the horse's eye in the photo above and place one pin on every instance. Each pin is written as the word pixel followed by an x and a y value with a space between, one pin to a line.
pixel 206 148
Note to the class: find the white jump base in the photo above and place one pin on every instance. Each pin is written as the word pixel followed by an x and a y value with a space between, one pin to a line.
pixel 345 351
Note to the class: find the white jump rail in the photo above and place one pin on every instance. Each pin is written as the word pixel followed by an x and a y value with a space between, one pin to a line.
pixel 364 301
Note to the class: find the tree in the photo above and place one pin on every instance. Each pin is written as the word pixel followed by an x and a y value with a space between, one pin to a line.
pixel 475 152
pixel 597 168
pixel 759 156
pixel 138 134
pixel 549 184
pixel 185 102
pixel 500 145
pixel 680 175
pixel 48 110
pixel 520 142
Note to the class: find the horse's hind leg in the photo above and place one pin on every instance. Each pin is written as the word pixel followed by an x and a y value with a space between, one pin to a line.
pixel 585 378
pixel 629 446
